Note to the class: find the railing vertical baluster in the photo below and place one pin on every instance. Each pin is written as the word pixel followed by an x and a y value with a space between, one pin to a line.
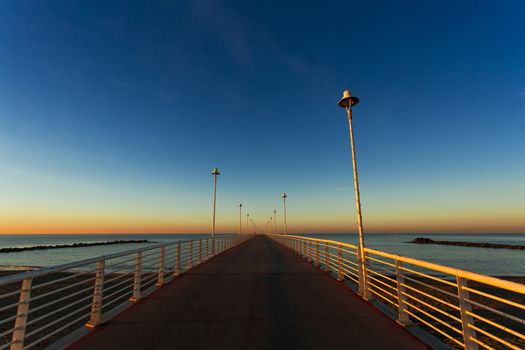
pixel 317 261
pixel 177 260
pixel 207 250
pixel 303 250
pixel 402 317
pixel 200 251
pixel 308 251
pixel 22 312
pixel 137 277
pixel 340 264
pixel 362 265
pixel 466 319
pixel 190 255
pixel 96 306
pixel 162 254
pixel 326 258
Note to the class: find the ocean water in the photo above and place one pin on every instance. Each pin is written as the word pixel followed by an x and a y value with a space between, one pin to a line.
pixel 50 257
pixel 488 261
pixel 495 262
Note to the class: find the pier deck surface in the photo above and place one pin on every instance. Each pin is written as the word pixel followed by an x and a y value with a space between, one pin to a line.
pixel 258 295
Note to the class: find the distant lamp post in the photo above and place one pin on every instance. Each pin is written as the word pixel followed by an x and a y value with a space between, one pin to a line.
pixel 271 225
pixel 240 218
pixel 214 173
pixel 274 221
pixel 248 223
pixel 284 196
pixel 347 102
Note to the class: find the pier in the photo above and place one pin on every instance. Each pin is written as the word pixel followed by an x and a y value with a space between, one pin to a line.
pixel 258 292
pixel 257 295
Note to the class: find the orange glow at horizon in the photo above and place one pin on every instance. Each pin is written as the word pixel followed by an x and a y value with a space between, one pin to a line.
pixel 54 223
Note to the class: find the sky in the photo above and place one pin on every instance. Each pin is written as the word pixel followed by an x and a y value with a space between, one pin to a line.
pixel 113 113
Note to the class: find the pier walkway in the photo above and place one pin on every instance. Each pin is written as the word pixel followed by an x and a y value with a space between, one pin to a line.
pixel 257 295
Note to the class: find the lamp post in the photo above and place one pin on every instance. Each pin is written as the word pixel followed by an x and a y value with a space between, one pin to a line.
pixel 240 218
pixel 214 173
pixel 347 102
pixel 284 196
pixel 274 221
pixel 271 225
pixel 247 223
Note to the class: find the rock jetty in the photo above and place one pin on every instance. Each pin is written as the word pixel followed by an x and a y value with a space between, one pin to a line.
pixel 74 245
pixel 422 240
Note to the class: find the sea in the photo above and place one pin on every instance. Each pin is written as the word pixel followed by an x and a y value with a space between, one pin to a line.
pixel 489 261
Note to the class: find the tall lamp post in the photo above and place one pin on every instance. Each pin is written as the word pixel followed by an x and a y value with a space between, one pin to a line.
pixel 214 173
pixel 247 223
pixel 271 225
pixel 240 218
pixel 284 196
pixel 347 102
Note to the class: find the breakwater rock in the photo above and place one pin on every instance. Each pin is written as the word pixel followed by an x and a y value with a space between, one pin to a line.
pixel 422 240
pixel 74 245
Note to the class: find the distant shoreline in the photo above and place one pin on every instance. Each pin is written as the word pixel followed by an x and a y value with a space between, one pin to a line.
pixel 74 245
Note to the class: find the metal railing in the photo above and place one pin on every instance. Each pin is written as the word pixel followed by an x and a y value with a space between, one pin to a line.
pixel 39 307
pixel 464 309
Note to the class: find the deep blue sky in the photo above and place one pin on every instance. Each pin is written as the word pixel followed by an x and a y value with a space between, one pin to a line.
pixel 112 114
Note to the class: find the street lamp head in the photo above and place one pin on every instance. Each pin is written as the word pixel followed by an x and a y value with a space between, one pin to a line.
pixel 215 172
pixel 347 101
pixel 240 205
pixel 275 211
pixel 283 195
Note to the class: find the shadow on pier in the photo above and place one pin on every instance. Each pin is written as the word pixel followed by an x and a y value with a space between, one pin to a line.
pixel 258 295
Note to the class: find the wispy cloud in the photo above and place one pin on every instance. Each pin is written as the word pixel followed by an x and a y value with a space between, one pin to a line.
pixel 343 189
pixel 246 42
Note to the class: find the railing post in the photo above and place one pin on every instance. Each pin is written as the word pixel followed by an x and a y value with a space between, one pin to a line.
pixel 402 317
pixel 22 311
pixel 177 260
pixel 307 247
pixel 326 258
pixel 160 279
pixel 303 250
pixel 363 275
pixel 466 319
pixel 190 255
pixel 317 261
pixel 207 250
pixel 200 252
pixel 137 277
pixel 340 264
pixel 96 306
pixel 212 246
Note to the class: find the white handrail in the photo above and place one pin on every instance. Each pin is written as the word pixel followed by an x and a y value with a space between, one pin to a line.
pixel 114 284
pixel 392 281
